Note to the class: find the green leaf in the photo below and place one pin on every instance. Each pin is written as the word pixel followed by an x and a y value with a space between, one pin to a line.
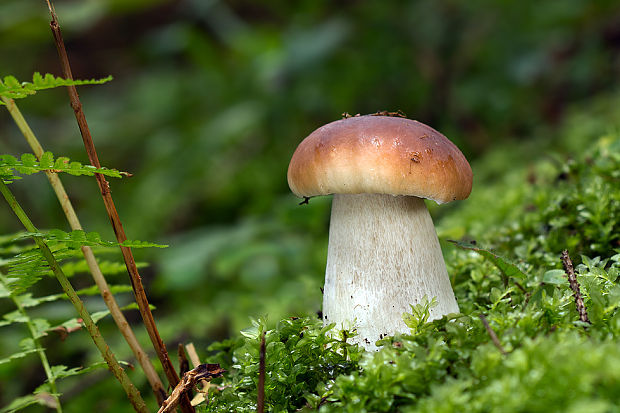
pixel 16 356
pixel 21 403
pixel 28 164
pixel 4 292
pixel 114 289
pixel 420 313
pixel 61 372
pixel 71 268
pixel 557 277
pixel 507 268
pixel 13 317
pixel 41 326
pixel 25 269
pixel 11 88
pixel 79 238
pixel 142 244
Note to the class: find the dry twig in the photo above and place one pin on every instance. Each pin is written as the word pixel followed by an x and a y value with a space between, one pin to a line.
pixel 183 362
pixel 260 402
pixel 189 380
pixel 492 334
pixel 574 285
pixel 203 394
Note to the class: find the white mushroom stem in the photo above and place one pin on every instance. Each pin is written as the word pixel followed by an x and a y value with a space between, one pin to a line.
pixel 383 255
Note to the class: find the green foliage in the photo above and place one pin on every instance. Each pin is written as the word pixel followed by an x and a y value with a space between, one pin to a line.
pixel 11 88
pixel 39 328
pixel 552 361
pixel 29 165
pixel 301 359
pixel 420 314
pixel 451 364
pixel 79 238
pixel 29 266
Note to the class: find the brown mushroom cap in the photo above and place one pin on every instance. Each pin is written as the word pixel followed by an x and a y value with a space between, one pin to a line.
pixel 379 154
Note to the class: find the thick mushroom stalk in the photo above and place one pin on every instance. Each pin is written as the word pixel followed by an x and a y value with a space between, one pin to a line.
pixel 383 255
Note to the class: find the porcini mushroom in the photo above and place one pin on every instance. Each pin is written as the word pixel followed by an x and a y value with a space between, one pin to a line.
pixel 383 252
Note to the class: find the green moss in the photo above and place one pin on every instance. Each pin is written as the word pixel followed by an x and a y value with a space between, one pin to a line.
pixel 545 360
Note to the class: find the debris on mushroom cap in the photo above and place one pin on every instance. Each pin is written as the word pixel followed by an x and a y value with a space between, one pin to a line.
pixel 379 154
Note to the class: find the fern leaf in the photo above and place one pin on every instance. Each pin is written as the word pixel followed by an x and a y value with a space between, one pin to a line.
pixel 41 326
pixel 27 301
pixel 25 270
pixel 79 238
pixel 16 356
pixel 29 266
pixel 28 165
pixel 107 267
pixel 76 323
pixel 4 292
pixel 12 318
pixel 114 289
pixel 12 88
pixel 60 372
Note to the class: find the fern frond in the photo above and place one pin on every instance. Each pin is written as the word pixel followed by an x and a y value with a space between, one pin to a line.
pixel 12 318
pixel 114 289
pixel 76 323
pixel 60 371
pixel 4 292
pixel 12 88
pixel 16 356
pixel 28 301
pixel 80 238
pixel 107 267
pixel 29 266
pixel 28 165
pixel 25 270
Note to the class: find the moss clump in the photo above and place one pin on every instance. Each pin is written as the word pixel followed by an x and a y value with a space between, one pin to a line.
pixel 546 359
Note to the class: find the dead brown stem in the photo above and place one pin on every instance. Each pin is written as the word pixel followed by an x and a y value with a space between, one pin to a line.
pixel 183 362
pixel 134 276
pixel 203 394
pixel 492 334
pixel 260 402
pixel 202 372
pixel 574 285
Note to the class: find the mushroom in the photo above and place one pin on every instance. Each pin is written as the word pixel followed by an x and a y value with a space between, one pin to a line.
pixel 383 252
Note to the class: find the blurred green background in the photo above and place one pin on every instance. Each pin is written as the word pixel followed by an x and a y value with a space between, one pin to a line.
pixel 210 98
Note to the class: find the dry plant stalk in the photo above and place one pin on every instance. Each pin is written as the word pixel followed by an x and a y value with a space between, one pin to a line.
pixel 93 266
pixel 492 334
pixel 260 400
pixel 189 380
pixel 203 394
pixel 134 275
pixel 183 362
pixel 574 285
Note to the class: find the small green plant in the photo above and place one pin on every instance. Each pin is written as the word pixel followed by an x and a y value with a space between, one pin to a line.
pixel 420 314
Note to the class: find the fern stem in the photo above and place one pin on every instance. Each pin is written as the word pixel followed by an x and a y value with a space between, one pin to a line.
pixel 40 351
pixel 98 277
pixel 132 392
pixel 104 187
